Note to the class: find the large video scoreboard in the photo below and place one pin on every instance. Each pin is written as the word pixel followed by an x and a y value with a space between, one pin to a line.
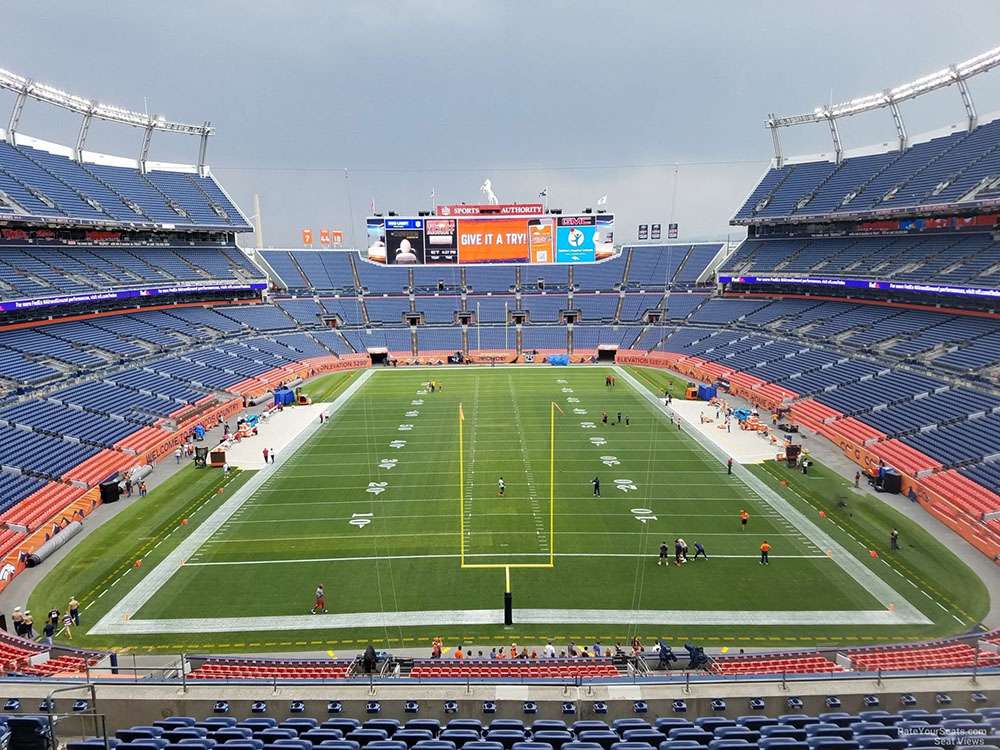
pixel 490 234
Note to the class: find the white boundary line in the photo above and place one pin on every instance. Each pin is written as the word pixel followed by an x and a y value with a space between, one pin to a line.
pixel 885 594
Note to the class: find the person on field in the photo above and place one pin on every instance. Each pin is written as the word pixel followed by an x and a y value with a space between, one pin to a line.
pixel 627 421
pixel 74 610
pixel 894 540
pixel 765 549
pixel 664 554
pixel 266 453
pixel 744 519
pixel 699 551
pixel 596 482
pixel 729 465
pixel 319 600
pixel 604 417
pixel 501 487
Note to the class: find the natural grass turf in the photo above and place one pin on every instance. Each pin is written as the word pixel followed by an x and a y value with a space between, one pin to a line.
pixel 301 519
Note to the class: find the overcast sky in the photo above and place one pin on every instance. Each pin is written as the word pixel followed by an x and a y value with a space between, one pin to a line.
pixel 322 106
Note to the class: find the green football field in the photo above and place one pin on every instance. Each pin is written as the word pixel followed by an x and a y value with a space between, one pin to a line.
pixel 404 525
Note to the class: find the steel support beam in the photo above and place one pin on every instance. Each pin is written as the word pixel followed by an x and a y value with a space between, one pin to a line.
pixel 203 147
pixel 838 149
pixel 972 119
pixel 15 113
pixel 147 137
pixel 897 118
pixel 81 138
pixel 779 159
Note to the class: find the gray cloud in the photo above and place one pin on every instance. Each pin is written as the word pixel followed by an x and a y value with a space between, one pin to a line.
pixel 586 97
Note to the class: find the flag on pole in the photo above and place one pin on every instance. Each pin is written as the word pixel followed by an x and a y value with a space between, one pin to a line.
pixel 461 414
pixel 544 192
pixel 602 201
pixel 373 205
pixel 558 409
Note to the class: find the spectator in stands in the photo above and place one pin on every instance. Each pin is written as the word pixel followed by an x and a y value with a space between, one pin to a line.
pixel 493 653
pixel 74 610
pixel 597 649
pixel 571 649
pixel 436 647
pixel 550 651
pixel 513 651
pixel 459 654
pixel 894 540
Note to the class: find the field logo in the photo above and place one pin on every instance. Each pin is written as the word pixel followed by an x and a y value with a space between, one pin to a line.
pixel 397 444
pixel 412 413
pixel 610 460
pixel 626 485
pixel 417 402
pixel 599 441
pixel 377 488
pixel 562 381
pixel 581 412
pixel 588 425
pixel 405 427
pixel 361 519
pixel 567 390
pixel 643 514
pixel 572 400
pixel 388 463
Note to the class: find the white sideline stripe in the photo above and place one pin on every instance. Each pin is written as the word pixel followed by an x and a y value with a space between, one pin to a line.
pixel 376 558
pixel 294 623
pixel 145 589
pixel 882 592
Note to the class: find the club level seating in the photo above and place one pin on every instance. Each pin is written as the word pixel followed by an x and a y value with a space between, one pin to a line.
pixel 961 166
pixel 966 258
pixel 224 669
pixel 39 271
pixel 921 657
pixel 774 664
pixel 43 182
pixel 540 669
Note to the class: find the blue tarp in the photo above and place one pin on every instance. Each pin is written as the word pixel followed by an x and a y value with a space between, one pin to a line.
pixel 706 392
pixel 559 360
pixel 284 397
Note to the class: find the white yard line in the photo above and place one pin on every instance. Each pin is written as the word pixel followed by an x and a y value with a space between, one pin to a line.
pixel 376 558
pixel 883 593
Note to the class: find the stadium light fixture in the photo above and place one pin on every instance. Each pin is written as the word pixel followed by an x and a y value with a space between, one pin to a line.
pixel 26 88
pixel 953 75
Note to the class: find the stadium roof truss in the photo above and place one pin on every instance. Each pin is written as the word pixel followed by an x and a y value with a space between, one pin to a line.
pixel 954 75
pixel 25 88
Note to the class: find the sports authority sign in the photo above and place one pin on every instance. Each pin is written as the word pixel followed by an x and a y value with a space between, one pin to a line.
pixel 487 209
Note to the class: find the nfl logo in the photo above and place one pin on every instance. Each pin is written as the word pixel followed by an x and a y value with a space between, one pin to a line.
pixel 445 211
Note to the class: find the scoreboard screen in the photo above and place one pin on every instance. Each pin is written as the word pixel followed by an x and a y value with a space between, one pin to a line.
pixel 432 240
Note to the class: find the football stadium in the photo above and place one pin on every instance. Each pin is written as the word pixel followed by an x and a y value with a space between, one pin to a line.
pixel 508 474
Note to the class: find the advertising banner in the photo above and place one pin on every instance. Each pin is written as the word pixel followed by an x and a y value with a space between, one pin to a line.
pixel 404 241
pixel 540 240
pixel 441 244
pixel 493 241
